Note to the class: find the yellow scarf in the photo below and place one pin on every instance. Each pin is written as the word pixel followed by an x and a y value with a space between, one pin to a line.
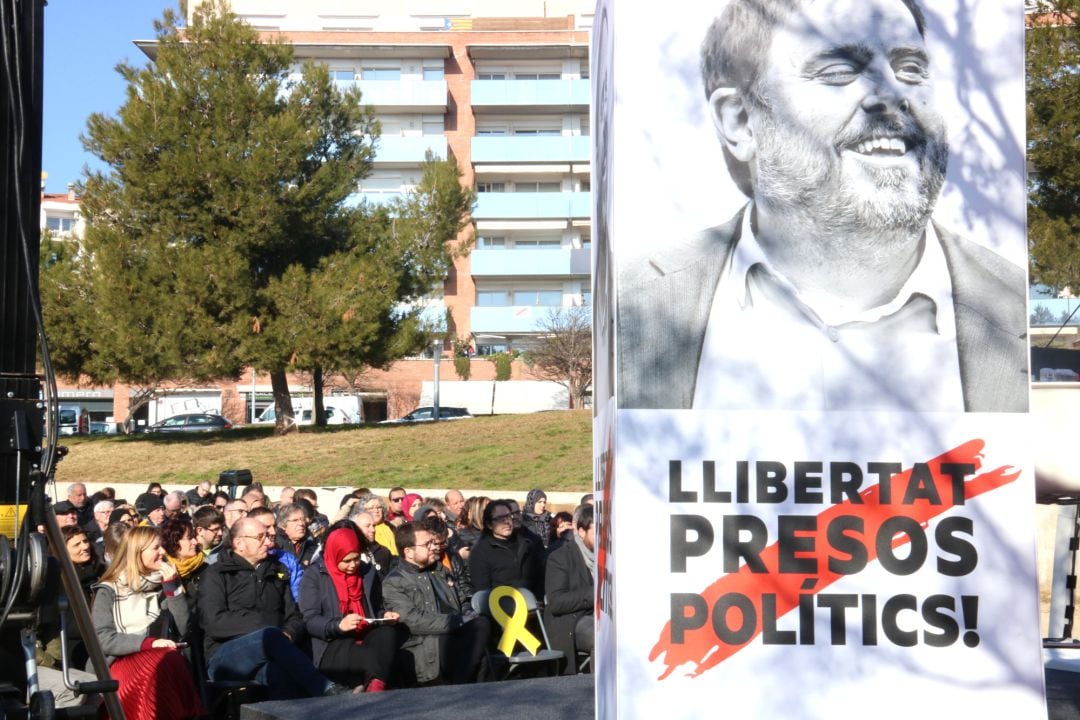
pixel 187 567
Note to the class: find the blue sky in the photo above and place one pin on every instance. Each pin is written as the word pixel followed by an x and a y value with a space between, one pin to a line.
pixel 84 40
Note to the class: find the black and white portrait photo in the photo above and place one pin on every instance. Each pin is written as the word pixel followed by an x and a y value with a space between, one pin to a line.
pixel 847 236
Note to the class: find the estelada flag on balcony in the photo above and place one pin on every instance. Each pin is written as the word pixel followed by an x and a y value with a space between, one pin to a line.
pixel 817 497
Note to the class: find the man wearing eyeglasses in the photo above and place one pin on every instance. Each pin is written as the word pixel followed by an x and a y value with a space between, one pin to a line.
pixel 251 621
pixel 209 526
pixel 396 516
pixel 445 641
pixel 235 510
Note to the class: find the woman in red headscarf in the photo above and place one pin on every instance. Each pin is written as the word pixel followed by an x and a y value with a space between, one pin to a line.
pixel 411 504
pixel 353 641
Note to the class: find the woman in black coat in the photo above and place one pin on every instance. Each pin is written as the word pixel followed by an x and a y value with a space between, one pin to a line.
pixel 503 557
pixel 353 640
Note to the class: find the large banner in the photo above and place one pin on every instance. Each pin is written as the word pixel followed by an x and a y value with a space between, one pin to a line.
pixel 812 455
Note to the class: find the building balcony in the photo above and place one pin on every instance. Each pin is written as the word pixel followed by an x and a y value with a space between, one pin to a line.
pixel 399 150
pixel 373 198
pixel 506 320
pixel 529 95
pixel 516 262
pixel 526 149
pixel 531 205
pixel 393 96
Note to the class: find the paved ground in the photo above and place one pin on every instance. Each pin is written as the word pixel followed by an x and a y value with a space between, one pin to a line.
pixel 564 698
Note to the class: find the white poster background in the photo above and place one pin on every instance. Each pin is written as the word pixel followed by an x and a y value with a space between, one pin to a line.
pixel 669 182
pixel 1001 677
pixel 671 179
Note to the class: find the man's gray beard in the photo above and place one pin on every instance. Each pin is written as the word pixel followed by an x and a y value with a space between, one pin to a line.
pixel 798 177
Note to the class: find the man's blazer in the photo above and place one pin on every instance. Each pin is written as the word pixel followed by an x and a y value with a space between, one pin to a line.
pixel 664 303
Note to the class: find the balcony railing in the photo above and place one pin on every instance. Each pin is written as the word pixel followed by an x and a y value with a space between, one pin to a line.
pixel 496 95
pixel 401 95
pixel 409 150
pixel 515 262
pixel 507 320
pixel 527 205
pixel 530 149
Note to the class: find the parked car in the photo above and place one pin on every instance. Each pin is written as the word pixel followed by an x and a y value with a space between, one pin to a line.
pixel 104 428
pixel 427 414
pixel 193 422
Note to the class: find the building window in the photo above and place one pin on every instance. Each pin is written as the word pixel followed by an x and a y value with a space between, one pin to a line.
pixel 541 242
pixel 492 298
pixel 484 349
pixel 538 132
pixel 530 186
pixel 490 187
pixel 61 225
pixel 433 73
pixel 490 131
pixel 491 76
pixel 490 243
pixel 538 298
pixel 380 73
pixel 527 75
pixel 343 75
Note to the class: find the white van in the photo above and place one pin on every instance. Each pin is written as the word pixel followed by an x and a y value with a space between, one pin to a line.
pixel 74 420
pixel 340 410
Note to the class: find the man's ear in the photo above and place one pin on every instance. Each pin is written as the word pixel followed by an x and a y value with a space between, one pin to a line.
pixel 729 114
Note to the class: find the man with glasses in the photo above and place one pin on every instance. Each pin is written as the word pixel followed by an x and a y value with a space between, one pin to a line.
pixel 293 536
pixel 396 516
pixel 251 621
pixel 95 529
pixel 209 528
pixel 235 510
pixel 446 641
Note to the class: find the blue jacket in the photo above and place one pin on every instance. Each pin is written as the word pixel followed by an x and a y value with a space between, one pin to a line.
pixel 321 606
pixel 292 565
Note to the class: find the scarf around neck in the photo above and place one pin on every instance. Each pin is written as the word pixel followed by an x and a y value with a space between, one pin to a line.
pixel 187 567
pixel 590 557
pixel 136 608
pixel 350 588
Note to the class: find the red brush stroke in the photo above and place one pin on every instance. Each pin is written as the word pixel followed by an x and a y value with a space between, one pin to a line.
pixel 702 643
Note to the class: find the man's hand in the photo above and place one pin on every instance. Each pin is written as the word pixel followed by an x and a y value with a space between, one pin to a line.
pixel 163 643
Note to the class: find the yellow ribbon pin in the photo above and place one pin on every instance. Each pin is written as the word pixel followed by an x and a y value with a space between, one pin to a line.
pixel 513 625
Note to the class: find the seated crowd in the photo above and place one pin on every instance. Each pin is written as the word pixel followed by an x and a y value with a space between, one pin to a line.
pixel 197 586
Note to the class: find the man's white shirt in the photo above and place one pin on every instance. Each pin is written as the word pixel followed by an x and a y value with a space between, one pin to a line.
pixel 766 348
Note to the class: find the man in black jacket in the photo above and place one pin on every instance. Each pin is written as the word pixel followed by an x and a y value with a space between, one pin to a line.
pixel 251 621
pixel 446 640
pixel 570 583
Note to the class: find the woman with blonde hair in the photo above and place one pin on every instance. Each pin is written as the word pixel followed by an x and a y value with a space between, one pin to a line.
pixel 137 596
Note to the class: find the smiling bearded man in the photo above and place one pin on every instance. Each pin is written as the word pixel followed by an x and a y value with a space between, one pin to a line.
pixel 832 289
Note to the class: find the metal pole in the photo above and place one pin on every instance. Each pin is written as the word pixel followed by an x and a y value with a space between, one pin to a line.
pixel 253 396
pixel 81 611
pixel 435 401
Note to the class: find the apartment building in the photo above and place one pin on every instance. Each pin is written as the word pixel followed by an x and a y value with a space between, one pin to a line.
pixel 60 214
pixel 501 87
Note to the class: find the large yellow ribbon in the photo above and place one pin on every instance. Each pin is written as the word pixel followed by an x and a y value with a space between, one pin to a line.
pixel 513 626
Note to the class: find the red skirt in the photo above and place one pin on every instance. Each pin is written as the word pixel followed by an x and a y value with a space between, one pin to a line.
pixel 156 684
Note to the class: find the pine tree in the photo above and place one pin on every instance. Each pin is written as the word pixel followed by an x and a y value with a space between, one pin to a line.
pixel 1053 119
pixel 221 234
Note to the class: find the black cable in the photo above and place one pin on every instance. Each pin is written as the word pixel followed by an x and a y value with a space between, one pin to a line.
pixel 1061 327
pixel 13 85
